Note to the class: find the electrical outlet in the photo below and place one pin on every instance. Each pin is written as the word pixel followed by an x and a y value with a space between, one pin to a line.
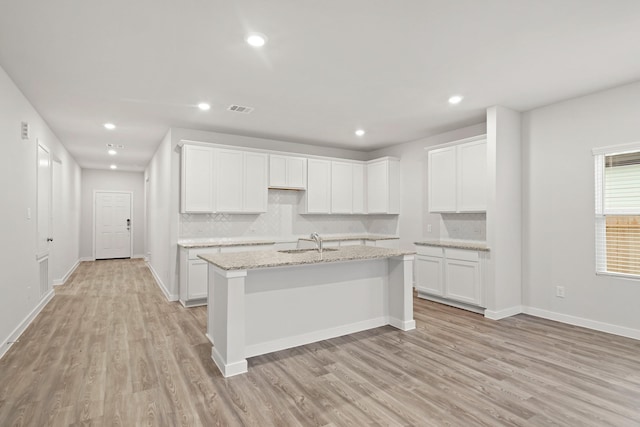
pixel 428 228
pixel 560 291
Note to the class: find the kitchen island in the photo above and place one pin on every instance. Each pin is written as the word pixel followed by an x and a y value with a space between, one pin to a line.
pixel 260 302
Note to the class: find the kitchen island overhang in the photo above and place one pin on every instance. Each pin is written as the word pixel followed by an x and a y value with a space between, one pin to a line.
pixel 260 302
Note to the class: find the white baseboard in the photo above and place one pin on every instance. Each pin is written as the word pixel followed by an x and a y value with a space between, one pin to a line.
pixel 161 285
pixel 585 323
pixel 228 369
pixel 87 258
pixel 58 282
pixel 136 256
pixel 13 337
pixel 501 314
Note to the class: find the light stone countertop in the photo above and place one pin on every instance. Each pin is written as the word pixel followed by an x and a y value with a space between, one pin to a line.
pixel 223 243
pixel 263 259
pixel 345 237
pixel 478 246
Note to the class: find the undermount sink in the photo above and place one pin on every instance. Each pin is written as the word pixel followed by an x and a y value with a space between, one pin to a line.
pixel 302 251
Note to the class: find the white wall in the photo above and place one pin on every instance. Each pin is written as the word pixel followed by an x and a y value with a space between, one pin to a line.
pixel 19 289
pixel 503 290
pixel 559 210
pixel 108 180
pixel 160 218
pixel 414 216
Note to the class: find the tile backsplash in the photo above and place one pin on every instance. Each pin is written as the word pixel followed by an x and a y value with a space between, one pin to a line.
pixel 463 226
pixel 282 220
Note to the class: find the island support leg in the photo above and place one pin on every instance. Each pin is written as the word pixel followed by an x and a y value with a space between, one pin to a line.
pixel 401 293
pixel 227 307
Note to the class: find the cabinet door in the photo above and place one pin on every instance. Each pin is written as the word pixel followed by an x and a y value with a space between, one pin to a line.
pixel 197 193
pixel 442 180
pixel 429 275
pixel 318 186
pixel 377 187
pixel 358 206
pixel 229 180
pixel 277 171
pixel 197 279
pixel 255 183
pixel 472 177
pixel 297 172
pixel 341 187
pixel 463 281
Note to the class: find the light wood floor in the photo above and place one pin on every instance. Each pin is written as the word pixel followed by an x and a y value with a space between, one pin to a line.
pixel 110 350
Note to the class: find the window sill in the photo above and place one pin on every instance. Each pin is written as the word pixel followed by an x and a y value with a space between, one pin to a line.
pixel 619 275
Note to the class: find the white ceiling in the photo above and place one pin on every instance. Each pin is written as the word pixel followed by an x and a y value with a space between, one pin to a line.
pixel 329 67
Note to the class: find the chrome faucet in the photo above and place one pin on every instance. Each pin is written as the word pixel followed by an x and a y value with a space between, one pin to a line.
pixel 316 238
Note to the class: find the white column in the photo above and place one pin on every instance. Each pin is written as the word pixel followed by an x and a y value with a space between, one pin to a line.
pixel 226 318
pixel 401 292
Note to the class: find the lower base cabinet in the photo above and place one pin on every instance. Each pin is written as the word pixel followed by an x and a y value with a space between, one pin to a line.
pixel 193 271
pixel 448 274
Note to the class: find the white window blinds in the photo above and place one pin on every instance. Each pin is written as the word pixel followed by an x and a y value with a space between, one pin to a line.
pixel 617 212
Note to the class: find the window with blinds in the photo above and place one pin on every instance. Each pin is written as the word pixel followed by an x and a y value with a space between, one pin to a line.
pixel 617 179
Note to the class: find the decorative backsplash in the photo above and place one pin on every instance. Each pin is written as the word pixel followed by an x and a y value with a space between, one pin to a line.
pixel 463 226
pixel 282 220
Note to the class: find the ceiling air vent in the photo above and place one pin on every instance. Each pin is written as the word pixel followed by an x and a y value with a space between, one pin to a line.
pixel 239 109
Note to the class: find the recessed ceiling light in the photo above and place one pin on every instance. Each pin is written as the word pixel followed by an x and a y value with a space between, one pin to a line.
pixel 360 132
pixel 112 152
pixel 204 106
pixel 113 167
pixel 109 126
pixel 456 99
pixel 256 39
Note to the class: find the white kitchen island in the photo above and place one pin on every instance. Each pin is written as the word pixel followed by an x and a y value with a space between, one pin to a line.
pixel 260 302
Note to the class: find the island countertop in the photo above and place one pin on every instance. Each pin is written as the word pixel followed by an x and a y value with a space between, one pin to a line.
pixel 263 259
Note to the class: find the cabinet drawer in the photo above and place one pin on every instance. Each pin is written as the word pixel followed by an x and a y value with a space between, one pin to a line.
pixel 462 254
pixel 430 251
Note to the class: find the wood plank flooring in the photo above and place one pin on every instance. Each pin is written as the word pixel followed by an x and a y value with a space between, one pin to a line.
pixel 109 350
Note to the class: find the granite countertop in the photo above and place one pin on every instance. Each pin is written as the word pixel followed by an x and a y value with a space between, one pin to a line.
pixel 222 243
pixel 478 246
pixel 345 237
pixel 263 259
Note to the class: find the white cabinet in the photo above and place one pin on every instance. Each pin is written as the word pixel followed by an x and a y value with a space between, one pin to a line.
pixel 446 274
pixel 287 172
pixel 241 181
pixel 472 176
pixel 457 177
pixel 197 192
pixel 430 272
pixel 358 200
pixel 442 180
pixel 193 276
pixel 383 186
pixel 318 195
pixel 194 271
pixel 341 187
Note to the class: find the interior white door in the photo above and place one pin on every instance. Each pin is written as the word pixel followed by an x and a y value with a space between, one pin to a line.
pixel 112 225
pixel 44 201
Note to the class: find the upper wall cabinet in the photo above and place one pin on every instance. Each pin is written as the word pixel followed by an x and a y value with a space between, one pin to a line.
pixel 383 186
pixel 458 177
pixel 287 172
pixel 197 192
pixel 221 180
pixel 347 188
pixel 241 181
pixel 317 199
